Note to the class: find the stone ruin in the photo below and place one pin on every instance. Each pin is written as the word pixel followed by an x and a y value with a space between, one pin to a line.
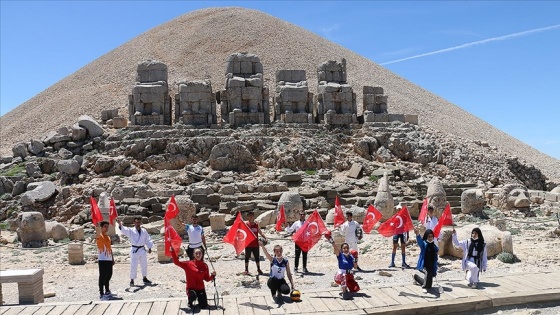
pixel 150 103
pixel 375 107
pixel 335 100
pixel 292 102
pixel 195 104
pixel 245 98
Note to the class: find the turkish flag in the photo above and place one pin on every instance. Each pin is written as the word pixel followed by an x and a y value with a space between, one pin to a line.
pixel 423 211
pixel 338 215
pixel 445 219
pixel 280 219
pixel 310 232
pixel 239 235
pixel 372 216
pixel 172 209
pixel 96 215
pixel 172 239
pixel 399 223
pixel 112 211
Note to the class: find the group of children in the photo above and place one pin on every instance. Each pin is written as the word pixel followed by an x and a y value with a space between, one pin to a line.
pixel 197 271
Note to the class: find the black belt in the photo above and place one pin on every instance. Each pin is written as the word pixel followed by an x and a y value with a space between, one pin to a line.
pixel 137 248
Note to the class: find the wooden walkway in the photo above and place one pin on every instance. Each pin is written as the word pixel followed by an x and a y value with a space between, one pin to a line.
pixel 495 291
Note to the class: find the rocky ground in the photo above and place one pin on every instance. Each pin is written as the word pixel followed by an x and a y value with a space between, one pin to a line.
pixel 535 245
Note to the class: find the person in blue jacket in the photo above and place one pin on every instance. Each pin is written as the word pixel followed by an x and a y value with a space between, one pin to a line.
pixel 427 261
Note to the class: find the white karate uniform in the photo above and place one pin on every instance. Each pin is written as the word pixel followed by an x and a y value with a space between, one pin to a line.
pixel 138 254
pixel 348 229
pixel 468 262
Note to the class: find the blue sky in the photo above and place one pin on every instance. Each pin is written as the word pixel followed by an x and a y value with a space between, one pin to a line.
pixel 499 60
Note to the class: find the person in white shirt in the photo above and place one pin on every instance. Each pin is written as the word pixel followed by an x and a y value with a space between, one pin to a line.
pixel 348 229
pixel 431 221
pixel 293 229
pixel 139 240
pixel 196 237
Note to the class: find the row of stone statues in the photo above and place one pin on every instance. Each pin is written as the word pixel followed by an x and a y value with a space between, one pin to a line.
pixel 246 99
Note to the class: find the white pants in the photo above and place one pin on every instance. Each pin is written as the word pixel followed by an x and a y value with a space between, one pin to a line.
pixel 142 257
pixel 354 246
pixel 472 272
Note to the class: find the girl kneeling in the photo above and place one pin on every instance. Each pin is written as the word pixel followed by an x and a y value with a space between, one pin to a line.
pixel 279 265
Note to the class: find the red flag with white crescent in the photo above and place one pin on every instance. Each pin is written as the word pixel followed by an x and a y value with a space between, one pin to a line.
pixel 399 223
pixel 372 217
pixel 239 235
pixel 172 239
pixel 338 215
pixel 172 209
pixel 112 211
pixel 310 232
pixel 280 219
pixel 423 211
pixel 96 215
pixel 445 219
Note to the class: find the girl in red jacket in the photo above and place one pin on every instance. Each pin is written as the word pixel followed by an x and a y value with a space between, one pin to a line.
pixel 195 272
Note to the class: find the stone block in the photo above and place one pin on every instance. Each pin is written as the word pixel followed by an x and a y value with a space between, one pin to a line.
pixel 76 254
pixel 411 119
pixel 355 170
pixel 93 128
pixel 109 114
pixel 120 122
pixel 76 233
pixel 396 117
pixel 292 177
pixel 551 197
pixel 217 221
pixel 162 259
pixel 38 191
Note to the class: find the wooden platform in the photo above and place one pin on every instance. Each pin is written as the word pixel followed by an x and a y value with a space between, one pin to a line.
pixel 403 298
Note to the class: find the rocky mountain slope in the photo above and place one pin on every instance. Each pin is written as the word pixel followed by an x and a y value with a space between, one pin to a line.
pixel 195 46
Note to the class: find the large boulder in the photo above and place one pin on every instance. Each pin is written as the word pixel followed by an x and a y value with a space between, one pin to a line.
pixel 31 231
pixel 20 150
pixel 6 185
pixel 93 128
pixel 59 232
pixel 472 201
pixel 231 156
pixel 496 241
pixel 267 218
pixel 292 205
pixel 35 147
pixel 70 167
pixel 37 192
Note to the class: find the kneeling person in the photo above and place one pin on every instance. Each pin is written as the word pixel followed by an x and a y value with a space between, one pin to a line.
pixel 196 272
pixel 279 265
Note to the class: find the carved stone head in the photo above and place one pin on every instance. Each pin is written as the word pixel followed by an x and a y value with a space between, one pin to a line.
pixel 436 195
pixel 514 196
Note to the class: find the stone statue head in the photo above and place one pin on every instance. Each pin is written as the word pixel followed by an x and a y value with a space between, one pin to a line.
pixel 436 195
pixel 514 196
pixel 384 200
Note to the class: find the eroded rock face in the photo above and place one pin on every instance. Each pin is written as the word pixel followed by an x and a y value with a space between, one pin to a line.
pixel 32 231
pixel 514 196
pixel 472 201
pixel 496 241
pixel 436 195
pixel 384 200
pixel 292 205
pixel 231 156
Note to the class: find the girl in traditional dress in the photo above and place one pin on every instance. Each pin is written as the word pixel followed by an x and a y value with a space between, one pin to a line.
pixel 474 255
pixel 344 276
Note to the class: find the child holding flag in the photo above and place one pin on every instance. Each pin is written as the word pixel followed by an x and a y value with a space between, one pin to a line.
pixel 427 260
pixel 344 276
